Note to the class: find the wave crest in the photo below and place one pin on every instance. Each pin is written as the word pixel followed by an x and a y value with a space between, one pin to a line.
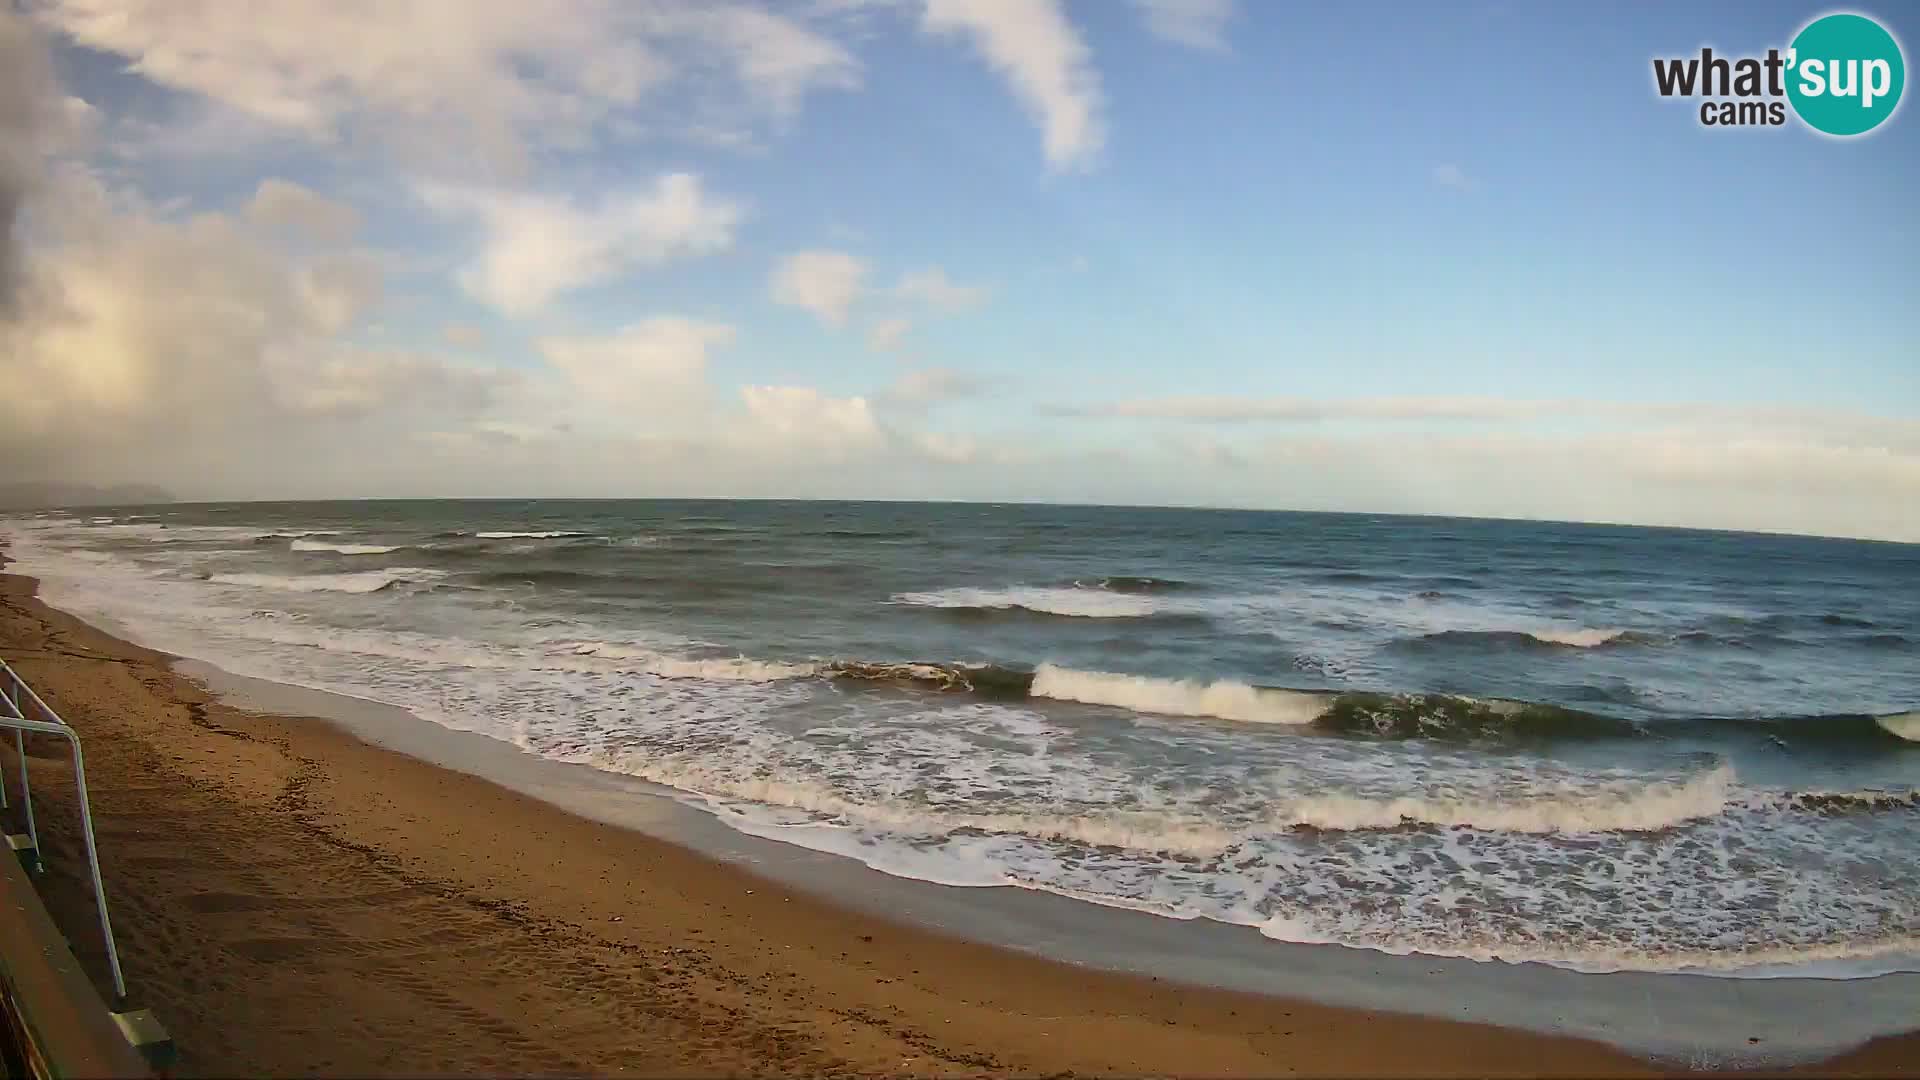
pixel 1901 725
pixel 345 549
pixel 1538 637
pixel 1224 699
pixel 365 581
pixel 1070 602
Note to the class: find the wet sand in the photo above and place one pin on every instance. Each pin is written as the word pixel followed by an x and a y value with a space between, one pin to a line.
pixel 290 899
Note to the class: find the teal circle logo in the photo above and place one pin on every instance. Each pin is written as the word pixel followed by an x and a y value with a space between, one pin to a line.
pixel 1845 74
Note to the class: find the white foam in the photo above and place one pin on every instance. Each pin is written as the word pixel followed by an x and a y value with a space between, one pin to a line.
pixel 1905 725
pixel 1079 603
pixel 1645 809
pixel 1134 831
pixel 1223 699
pixel 346 549
pixel 1843 959
pixel 554 535
pixel 1579 639
pixel 733 668
pixel 364 581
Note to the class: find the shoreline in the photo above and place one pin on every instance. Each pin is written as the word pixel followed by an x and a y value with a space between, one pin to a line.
pixel 478 928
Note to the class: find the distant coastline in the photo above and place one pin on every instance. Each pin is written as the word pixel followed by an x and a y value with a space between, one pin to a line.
pixel 40 496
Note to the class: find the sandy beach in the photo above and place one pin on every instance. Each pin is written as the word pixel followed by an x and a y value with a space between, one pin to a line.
pixel 292 900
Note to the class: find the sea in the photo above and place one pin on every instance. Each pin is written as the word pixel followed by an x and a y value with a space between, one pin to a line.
pixel 1602 748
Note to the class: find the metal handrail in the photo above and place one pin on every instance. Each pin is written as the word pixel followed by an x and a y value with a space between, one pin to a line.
pixel 53 725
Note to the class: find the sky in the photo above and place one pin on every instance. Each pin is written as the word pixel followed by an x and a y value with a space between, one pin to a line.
pixel 1453 259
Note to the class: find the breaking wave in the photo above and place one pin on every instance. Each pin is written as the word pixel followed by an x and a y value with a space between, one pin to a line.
pixel 1571 638
pixel 549 535
pixel 1647 808
pixel 366 581
pixel 1650 808
pixel 1357 713
pixel 1901 726
pixel 345 549
pixel 1070 602
pixel 1223 699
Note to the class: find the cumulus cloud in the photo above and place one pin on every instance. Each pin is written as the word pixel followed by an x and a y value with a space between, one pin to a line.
pixel 534 248
pixel 194 350
pixel 1038 51
pixel 804 415
pixel 339 288
pixel 502 78
pixel 364 382
pixel 26 93
pixel 283 204
pixel 825 283
pixel 463 335
pixel 1197 24
pixel 643 372
pixel 888 335
pixel 933 288
pixel 149 345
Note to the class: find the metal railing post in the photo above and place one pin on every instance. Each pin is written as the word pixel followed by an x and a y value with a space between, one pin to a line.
pixel 12 697
pixel 53 725
pixel 93 864
pixel 26 799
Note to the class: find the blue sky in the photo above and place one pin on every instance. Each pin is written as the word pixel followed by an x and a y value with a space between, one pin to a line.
pixel 1471 232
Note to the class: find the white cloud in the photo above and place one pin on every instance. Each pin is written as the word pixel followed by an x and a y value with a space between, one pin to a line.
pixel 933 288
pixel 803 416
pixel 1198 24
pixel 460 76
pixel 1454 178
pixel 825 283
pixel 338 289
pixel 888 335
pixel 194 351
pixel 1296 409
pixel 535 248
pixel 947 447
pixel 925 387
pixel 362 382
pixel 283 204
pixel 27 96
pixel 643 372
pixel 463 335
pixel 1834 426
pixel 1037 49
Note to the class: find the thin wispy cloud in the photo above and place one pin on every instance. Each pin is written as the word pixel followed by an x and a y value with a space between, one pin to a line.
pixel 1454 178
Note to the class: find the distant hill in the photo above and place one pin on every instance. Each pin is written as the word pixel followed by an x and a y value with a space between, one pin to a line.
pixel 25 496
